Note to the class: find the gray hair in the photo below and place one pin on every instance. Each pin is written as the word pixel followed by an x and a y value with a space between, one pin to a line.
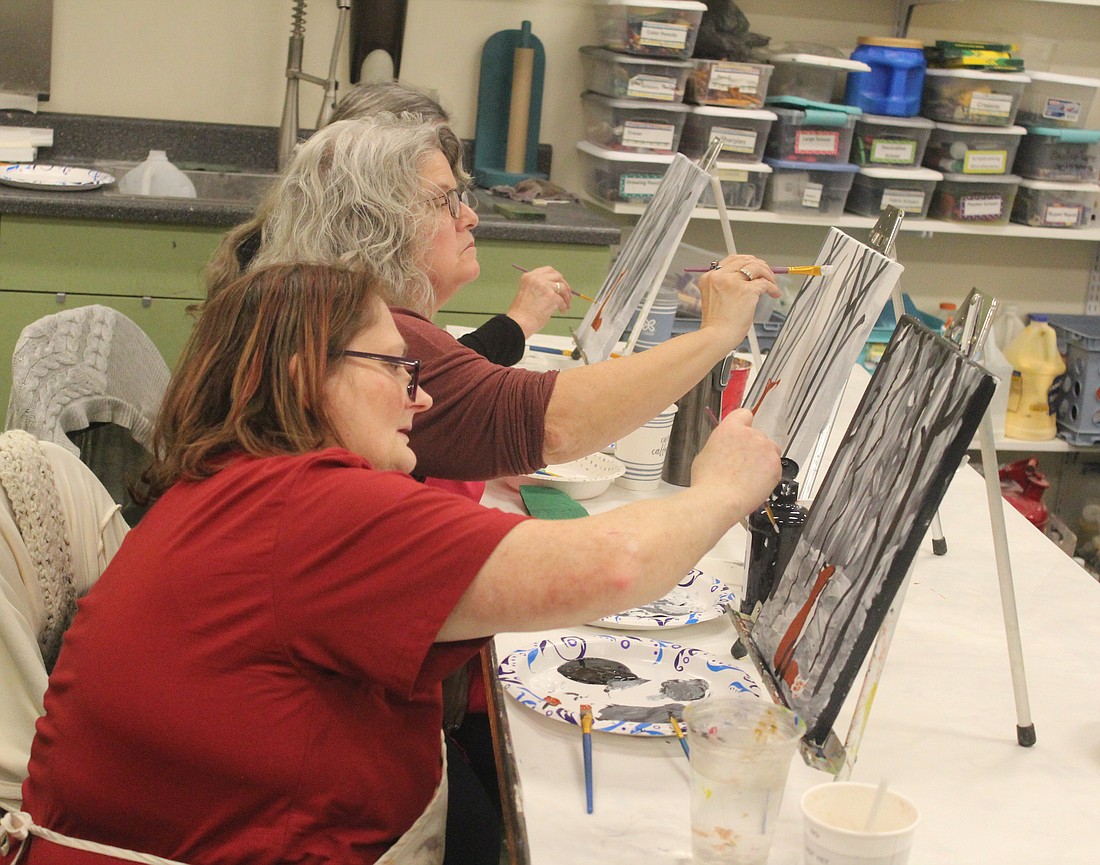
pixel 371 97
pixel 353 195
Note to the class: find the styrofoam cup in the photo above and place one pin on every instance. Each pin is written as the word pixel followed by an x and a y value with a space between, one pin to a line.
pixel 643 452
pixel 835 831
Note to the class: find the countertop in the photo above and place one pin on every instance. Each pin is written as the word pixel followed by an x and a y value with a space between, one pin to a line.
pixel 89 139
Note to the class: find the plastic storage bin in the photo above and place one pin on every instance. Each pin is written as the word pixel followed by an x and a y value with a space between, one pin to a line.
pixel 811 134
pixel 808 190
pixel 907 188
pixel 975 198
pixel 1078 415
pixel 742 131
pixel 657 28
pixel 810 76
pixel 633 124
pixel 890 141
pixel 1053 204
pixel 894 84
pixel 972 96
pixel 728 84
pixel 1051 99
pixel 743 185
pixel 624 76
pixel 616 176
pixel 1059 154
pixel 961 149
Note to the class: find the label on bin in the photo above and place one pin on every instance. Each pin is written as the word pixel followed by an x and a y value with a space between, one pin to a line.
pixel 985 162
pixel 651 136
pixel 639 185
pixel 1066 110
pixel 723 79
pixel 1062 214
pixel 663 35
pixel 981 206
pixel 817 142
pixel 811 195
pixel 735 140
pixel 909 200
pixel 990 104
pixel 652 87
pixel 894 151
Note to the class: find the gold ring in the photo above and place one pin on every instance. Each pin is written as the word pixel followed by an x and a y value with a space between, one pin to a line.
pixel 744 271
pixel 557 287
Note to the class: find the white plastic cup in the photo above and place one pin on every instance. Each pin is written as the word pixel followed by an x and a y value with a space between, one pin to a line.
pixel 643 452
pixel 835 831
pixel 741 750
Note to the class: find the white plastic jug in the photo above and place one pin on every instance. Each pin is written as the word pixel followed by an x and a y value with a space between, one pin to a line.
pixel 157 176
pixel 1037 364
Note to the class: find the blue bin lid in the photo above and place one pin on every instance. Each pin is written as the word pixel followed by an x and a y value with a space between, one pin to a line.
pixel 812 105
pixel 839 167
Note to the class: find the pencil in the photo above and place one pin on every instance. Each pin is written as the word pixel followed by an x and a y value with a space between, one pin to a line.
pixel 800 269
pixel 586 733
pixel 571 291
pixel 679 734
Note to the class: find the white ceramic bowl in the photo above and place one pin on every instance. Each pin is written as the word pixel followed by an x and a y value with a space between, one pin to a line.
pixel 580 479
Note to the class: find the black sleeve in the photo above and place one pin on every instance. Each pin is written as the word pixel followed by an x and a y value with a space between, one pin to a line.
pixel 499 340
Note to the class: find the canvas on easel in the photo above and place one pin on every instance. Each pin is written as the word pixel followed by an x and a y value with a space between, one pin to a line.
pixel 636 274
pixel 908 436
pixel 826 328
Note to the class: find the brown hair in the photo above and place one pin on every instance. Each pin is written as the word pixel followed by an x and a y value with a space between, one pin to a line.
pixel 236 390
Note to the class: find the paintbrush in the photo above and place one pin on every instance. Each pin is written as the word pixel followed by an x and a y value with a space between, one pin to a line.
pixel 796 270
pixel 571 291
pixel 586 742
pixel 574 353
pixel 679 734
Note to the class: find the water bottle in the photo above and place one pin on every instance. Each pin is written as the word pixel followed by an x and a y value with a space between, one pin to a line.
pixel 771 546
pixel 1036 366
pixel 694 420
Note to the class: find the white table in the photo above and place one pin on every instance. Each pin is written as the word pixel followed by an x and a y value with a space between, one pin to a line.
pixel 942 727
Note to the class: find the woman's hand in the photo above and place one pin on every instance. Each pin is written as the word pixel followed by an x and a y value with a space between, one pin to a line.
pixel 542 292
pixel 730 293
pixel 739 460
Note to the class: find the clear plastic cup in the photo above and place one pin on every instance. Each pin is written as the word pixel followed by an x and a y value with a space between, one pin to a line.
pixel 741 749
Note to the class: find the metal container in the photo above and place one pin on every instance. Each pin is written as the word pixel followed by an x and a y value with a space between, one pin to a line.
pixel 693 424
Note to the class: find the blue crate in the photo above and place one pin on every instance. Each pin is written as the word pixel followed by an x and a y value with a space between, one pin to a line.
pixel 1078 408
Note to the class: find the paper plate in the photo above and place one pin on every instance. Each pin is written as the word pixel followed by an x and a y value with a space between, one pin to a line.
pixel 580 479
pixel 66 178
pixel 632 683
pixel 697 598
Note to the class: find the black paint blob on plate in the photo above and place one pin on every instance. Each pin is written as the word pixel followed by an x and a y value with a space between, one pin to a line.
pixel 599 671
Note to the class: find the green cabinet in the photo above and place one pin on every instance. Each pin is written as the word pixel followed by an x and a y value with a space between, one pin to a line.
pixel 150 273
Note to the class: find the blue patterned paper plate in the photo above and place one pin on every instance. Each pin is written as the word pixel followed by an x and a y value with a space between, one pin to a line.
pixel 632 683
pixel 696 598
pixel 66 178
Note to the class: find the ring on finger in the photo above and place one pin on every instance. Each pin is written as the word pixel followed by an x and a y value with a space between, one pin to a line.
pixel 557 287
pixel 744 271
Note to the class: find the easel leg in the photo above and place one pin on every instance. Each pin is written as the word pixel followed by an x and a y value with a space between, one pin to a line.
pixel 939 542
pixel 1025 729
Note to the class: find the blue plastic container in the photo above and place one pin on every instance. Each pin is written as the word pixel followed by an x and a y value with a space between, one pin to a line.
pixel 893 86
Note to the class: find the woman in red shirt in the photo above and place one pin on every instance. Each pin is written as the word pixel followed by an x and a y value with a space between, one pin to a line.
pixel 256 676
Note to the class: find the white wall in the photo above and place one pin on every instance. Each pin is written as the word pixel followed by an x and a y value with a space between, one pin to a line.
pixel 223 60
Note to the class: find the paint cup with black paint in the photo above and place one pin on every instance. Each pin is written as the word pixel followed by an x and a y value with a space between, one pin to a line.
pixel 770 550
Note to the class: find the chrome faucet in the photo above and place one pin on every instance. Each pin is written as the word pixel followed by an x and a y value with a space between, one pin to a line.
pixel 288 127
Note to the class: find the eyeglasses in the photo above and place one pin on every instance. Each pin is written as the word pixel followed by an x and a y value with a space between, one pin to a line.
pixel 412 367
pixel 455 200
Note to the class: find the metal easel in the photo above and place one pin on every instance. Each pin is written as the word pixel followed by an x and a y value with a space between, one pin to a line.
pixel 969 333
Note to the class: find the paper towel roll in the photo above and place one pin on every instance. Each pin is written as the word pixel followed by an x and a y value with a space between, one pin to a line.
pixel 523 65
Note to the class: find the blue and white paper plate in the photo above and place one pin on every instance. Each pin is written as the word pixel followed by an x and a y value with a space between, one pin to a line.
pixel 66 178
pixel 696 598
pixel 632 683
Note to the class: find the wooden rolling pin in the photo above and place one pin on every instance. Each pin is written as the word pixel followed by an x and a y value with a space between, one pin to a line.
pixel 523 66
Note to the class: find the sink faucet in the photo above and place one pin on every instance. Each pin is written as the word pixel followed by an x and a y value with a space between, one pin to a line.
pixel 288 127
